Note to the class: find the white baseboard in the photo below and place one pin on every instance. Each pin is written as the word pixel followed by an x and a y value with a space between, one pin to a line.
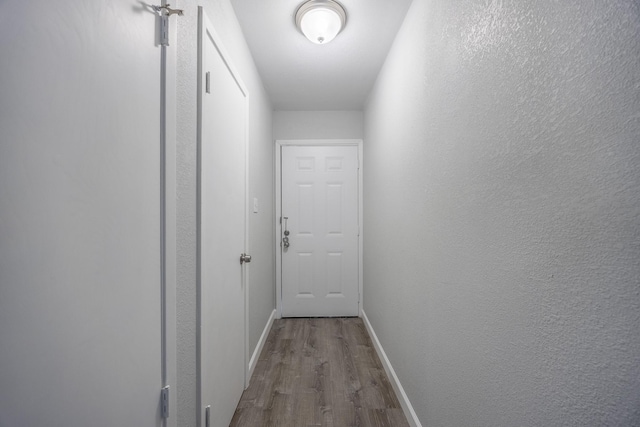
pixel 412 418
pixel 261 341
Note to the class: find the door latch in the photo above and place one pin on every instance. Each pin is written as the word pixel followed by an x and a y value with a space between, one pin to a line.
pixel 245 258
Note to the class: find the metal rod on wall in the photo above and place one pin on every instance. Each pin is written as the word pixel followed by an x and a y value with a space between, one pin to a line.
pixel 164 12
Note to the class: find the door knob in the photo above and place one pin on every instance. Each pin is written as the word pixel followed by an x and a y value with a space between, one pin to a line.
pixel 245 258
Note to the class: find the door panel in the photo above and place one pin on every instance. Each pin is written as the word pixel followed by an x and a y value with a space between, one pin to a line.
pixel 80 273
pixel 222 233
pixel 320 202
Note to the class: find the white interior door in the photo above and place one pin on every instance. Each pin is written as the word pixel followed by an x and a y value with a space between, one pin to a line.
pixel 320 214
pixel 223 109
pixel 80 272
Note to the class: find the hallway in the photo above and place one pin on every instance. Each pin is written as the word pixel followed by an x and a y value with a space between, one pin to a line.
pixel 500 205
pixel 319 372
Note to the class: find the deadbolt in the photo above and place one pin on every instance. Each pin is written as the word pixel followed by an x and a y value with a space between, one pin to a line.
pixel 285 239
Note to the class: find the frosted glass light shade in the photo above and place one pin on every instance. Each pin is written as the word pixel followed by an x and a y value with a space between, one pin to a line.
pixel 321 20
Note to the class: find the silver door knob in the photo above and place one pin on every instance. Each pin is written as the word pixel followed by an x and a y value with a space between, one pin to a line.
pixel 245 258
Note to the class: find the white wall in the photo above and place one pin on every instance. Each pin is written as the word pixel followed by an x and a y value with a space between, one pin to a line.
pixel 502 211
pixel 79 214
pixel 317 125
pixel 261 282
pixel 80 210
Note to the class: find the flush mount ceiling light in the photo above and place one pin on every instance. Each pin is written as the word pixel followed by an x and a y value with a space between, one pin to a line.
pixel 321 20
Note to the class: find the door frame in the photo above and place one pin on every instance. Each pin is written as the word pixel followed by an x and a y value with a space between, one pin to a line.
pixel 205 26
pixel 278 207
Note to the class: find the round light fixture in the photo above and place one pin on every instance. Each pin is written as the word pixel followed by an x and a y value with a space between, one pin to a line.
pixel 321 20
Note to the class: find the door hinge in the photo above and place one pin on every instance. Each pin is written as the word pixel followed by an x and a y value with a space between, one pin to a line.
pixel 207 82
pixel 164 30
pixel 164 402
pixel 165 12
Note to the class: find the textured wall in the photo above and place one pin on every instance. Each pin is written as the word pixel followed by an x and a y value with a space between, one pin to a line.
pixel 261 281
pixel 502 212
pixel 317 125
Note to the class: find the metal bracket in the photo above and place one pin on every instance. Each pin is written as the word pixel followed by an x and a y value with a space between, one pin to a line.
pixel 165 12
pixel 167 9
pixel 164 402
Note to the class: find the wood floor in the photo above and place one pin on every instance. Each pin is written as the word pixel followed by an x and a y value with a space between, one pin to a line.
pixel 319 372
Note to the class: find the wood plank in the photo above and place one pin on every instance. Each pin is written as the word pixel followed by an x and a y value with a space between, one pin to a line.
pixel 319 372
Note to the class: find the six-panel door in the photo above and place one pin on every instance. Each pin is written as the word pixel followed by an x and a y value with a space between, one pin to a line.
pixel 320 203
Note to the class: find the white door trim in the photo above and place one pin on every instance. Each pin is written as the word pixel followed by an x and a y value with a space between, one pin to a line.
pixel 205 25
pixel 278 205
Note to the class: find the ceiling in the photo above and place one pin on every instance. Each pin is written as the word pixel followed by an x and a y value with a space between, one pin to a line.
pixel 300 75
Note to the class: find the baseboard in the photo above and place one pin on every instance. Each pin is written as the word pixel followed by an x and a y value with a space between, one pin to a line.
pixel 263 339
pixel 412 418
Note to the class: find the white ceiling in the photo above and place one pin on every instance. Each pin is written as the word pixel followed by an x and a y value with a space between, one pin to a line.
pixel 300 75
